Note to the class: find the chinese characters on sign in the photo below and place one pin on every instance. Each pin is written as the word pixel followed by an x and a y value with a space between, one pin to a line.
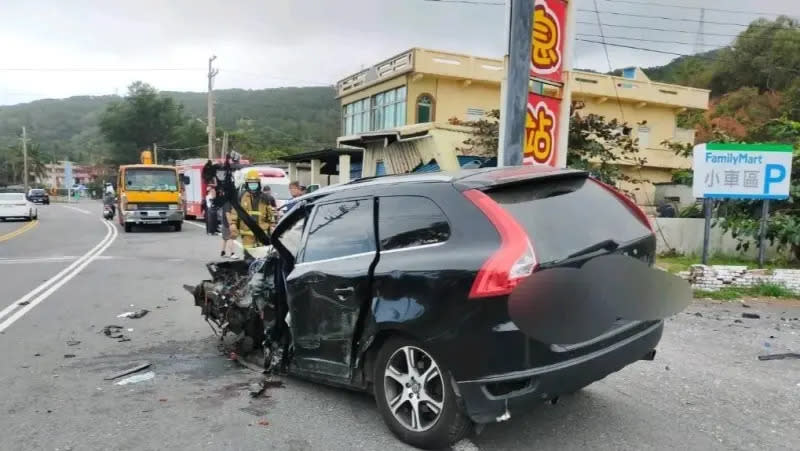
pixel 742 171
pixel 546 66
pixel 541 130
pixel 547 40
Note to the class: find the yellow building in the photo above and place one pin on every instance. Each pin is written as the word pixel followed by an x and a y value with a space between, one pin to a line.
pixel 382 104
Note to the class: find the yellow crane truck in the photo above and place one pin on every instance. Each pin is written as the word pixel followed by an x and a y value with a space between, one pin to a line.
pixel 149 194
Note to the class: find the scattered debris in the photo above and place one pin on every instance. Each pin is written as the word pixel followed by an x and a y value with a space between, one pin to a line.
pixel 69 356
pixel 37 355
pixel 116 333
pixel 134 315
pixel 263 422
pixel 130 329
pixel 162 399
pixel 136 378
pixel 751 315
pixel 698 314
pixel 173 298
pixel 666 367
pixel 737 321
pixel 772 336
pixel 788 355
pixel 73 342
pixel 23 303
pixel 128 371
pixel 746 305
pixel 258 388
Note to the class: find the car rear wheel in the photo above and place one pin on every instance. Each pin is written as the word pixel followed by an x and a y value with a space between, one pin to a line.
pixel 177 227
pixel 128 228
pixel 415 396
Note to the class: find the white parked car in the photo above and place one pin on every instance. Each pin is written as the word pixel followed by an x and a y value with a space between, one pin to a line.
pixel 16 205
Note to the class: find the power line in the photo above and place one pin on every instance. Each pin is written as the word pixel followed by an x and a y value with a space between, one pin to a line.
pixel 666 52
pixel 608 60
pixel 671 30
pixel 629 38
pixel 677 19
pixel 672 5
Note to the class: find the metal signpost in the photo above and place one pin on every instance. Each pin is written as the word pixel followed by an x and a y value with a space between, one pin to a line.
pixel 741 171
pixel 535 93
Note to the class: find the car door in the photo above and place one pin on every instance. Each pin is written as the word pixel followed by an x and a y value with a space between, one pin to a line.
pixel 329 285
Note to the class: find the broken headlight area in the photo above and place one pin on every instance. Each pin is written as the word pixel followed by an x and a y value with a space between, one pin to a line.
pixel 242 299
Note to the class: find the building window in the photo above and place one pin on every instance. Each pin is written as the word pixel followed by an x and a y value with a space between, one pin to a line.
pixel 425 108
pixel 389 109
pixel 355 117
pixel 644 136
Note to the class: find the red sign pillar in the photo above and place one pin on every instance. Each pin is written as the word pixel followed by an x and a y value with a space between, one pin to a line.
pixel 547 112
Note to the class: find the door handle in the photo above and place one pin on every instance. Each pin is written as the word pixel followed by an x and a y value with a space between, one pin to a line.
pixel 343 293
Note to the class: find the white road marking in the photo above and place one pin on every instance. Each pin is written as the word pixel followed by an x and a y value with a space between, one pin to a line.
pixel 58 259
pixel 47 288
pixel 86 212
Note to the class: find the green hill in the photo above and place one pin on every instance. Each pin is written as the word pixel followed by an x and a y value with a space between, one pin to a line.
pixel 296 118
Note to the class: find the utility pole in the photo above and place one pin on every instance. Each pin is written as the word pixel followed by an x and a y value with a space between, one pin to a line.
pixel 515 87
pixel 25 159
pixel 155 153
pixel 212 123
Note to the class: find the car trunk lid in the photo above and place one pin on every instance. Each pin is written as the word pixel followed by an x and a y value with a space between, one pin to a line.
pixel 594 251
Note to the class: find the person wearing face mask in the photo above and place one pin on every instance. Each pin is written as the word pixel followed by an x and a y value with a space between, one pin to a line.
pixel 257 206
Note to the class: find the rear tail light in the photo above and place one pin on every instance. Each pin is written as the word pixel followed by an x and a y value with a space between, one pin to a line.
pixel 512 262
pixel 635 209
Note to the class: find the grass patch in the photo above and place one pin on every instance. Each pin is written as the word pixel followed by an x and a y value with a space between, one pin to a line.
pixel 678 263
pixel 772 290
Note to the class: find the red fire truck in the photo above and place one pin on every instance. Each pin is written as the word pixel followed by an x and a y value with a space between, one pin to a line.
pixel 195 191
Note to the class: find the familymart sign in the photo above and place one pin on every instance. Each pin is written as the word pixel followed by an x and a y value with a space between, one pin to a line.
pixel 742 171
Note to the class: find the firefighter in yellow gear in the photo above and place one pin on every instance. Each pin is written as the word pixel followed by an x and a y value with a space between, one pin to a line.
pixel 254 203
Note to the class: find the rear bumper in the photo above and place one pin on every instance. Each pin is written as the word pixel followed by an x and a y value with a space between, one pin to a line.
pixel 543 383
pixel 14 212
pixel 153 216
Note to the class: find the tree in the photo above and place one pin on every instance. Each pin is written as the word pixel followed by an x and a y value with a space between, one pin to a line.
pixel 596 145
pixel 12 165
pixel 144 117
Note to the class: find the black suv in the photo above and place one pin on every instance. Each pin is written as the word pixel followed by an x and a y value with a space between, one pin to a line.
pixel 38 196
pixel 462 298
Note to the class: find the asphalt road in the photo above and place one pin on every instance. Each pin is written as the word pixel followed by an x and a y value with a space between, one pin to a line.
pixel 705 390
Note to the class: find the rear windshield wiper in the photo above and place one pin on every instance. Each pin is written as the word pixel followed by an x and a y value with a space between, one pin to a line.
pixel 608 245
pixel 605 245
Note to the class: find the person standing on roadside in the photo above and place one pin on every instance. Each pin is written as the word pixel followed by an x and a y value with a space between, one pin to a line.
pixel 257 207
pixel 227 239
pixel 267 191
pixel 296 191
pixel 211 210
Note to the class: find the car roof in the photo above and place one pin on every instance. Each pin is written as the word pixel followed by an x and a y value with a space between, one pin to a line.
pixel 464 179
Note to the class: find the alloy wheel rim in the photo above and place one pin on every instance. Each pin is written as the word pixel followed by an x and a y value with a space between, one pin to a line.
pixel 414 388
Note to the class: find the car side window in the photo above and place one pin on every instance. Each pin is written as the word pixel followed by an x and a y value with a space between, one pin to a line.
pixel 291 237
pixel 408 221
pixel 340 229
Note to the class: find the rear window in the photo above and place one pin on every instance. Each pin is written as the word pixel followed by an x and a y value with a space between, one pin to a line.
pixel 566 216
pixel 37 192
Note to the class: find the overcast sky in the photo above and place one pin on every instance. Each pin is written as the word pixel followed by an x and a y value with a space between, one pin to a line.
pixel 270 43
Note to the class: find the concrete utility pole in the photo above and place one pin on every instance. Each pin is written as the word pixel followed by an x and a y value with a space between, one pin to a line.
pixel 25 159
pixel 212 123
pixel 515 88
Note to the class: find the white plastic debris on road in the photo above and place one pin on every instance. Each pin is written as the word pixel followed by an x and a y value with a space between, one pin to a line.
pixel 137 378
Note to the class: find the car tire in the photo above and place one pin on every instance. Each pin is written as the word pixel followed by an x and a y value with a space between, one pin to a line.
pixel 36 217
pixel 398 390
pixel 177 227
pixel 30 216
pixel 128 228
